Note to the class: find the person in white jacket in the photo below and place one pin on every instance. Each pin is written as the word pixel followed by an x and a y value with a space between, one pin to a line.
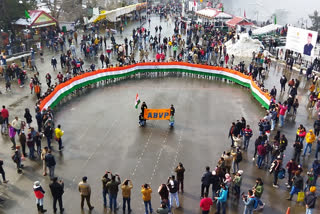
pixel 237 141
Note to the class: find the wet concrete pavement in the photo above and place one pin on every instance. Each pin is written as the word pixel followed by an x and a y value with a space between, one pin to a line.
pixel 101 133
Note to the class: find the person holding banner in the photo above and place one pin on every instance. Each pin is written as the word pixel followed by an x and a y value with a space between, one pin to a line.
pixel 142 121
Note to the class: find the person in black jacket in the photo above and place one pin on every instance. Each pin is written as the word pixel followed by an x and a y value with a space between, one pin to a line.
pixel 215 181
pixel 283 82
pixel 2 172
pixel 206 180
pixel 310 199
pixel 48 132
pixel 51 163
pixel 298 146
pixel 297 184
pixel 57 192
pixel 316 127
pixel 28 117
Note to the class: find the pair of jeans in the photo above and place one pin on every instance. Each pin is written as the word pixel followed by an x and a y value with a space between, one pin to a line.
pixel 259 201
pixel 51 171
pixel 221 205
pixel 273 124
pixel 246 142
pixel 281 117
pixel 59 199
pixel 294 190
pixel 104 196
pixel 174 196
pixel 146 204
pixel 235 166
pixel 248 210
pixel 236 189
pixel 260 160
pixel 39 201
pixel 308 145
pixel 31 152
pixel 126 201
pixel 49 142
pixel 113 201
pixel 309 210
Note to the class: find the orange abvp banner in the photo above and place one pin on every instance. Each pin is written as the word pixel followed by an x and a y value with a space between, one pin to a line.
pixel 156 114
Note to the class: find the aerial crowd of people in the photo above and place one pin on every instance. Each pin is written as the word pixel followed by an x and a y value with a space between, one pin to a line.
pixel 194 43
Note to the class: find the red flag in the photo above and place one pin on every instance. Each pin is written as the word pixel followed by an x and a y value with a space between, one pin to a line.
pixel 244 14
pixel 195 4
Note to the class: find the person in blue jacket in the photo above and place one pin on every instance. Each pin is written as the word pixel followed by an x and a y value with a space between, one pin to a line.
pixel 249 202
pixel 222 199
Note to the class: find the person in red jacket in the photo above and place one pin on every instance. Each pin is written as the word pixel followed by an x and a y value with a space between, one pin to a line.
pixel 5 116
pixel 205 204
pixel 261 153
pixel 39 193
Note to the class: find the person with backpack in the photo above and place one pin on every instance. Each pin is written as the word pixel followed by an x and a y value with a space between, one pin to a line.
pixel 250 202
pixel 173 190
pixel 237 158
pixel 297 184
pixel 275 168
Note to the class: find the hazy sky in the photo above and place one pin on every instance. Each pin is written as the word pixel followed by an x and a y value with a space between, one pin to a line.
pixel 296 8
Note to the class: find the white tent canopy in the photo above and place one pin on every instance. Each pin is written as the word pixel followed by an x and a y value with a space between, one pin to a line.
pixel 212 13
pixel 266 29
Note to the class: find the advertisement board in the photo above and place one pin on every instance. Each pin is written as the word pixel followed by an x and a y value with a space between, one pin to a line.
pixel 193 6
pixel 301 40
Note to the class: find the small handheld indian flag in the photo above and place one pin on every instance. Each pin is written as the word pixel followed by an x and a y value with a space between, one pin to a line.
pixel 137 101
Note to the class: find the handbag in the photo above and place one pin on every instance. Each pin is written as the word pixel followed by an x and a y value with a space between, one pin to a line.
pixel 300 197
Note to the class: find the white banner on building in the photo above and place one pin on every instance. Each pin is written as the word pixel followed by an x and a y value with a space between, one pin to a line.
pixel 301 40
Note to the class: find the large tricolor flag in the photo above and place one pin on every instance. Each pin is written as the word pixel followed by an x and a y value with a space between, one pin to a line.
pixel 137 101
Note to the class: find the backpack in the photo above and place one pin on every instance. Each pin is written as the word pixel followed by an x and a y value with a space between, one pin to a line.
pixel 282 173
pixel 239 157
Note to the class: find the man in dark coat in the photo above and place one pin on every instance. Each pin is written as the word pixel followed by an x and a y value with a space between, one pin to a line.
pixel 57 192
